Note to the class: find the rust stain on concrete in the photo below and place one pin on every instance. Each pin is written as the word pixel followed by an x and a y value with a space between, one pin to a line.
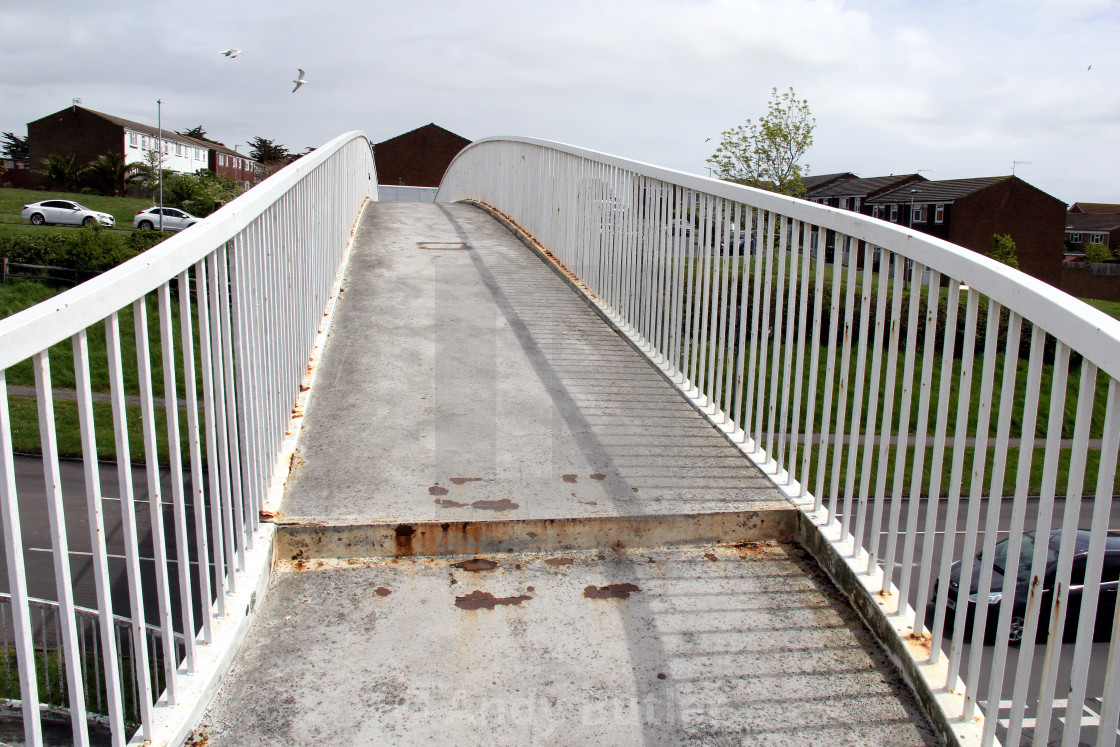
pixel 477 600
pixel 610 591
pixel 381 591
pixel 437 490
pixel 558 561
pixel 462 480
pixel 569 477
pixel 475 565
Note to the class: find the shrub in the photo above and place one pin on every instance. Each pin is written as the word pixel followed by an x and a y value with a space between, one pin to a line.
pixel 1098 253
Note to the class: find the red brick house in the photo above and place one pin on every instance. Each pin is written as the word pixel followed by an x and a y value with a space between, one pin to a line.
pixel 1093 228
pixel 969 212
pixel 417 158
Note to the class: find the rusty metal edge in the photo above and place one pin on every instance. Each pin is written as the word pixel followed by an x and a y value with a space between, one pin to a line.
pixel 938 703
pixel 307 539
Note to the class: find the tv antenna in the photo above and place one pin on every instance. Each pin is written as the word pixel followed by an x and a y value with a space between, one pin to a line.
pixel 1015 164
pixel 74 103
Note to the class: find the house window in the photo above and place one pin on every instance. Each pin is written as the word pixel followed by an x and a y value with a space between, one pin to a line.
pixel 894 213
pixel 855 204
pixel 178 149
pixel 874 211
pixel 133 138
pixel 919 214
pixel 1075 238
pixel 1097 238
pixel 843 203
pixel 939 214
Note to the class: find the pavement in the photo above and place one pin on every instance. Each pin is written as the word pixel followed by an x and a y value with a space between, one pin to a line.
pixel 503 526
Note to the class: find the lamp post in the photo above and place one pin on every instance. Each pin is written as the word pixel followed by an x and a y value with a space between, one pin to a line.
pixel 159 122
pixel 912 193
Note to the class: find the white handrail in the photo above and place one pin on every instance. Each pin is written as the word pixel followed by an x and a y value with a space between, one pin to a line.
pixel 944 362
pixel 262 270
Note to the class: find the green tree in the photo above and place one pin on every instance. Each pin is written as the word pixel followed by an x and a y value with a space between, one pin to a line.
pixel 147 171
pixel 63 171
pixel 1003 250
pixel 200 193
pixel 14 147
pixel 267 151
pixel 1098 253
pixel 114 174
pixel 199 134
pixel 766 153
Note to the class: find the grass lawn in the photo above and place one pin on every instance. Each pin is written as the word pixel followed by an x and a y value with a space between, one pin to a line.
pixel 121 208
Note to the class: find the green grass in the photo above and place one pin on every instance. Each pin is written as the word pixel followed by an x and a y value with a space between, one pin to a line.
pixel 1112 308
pixel 121 208
pixel 20 294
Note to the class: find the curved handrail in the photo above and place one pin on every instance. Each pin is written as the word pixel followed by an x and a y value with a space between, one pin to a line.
pixel 830 391
pixel 1088 330
pixel 61 316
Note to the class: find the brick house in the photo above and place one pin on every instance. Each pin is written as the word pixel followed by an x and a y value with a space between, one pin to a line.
pixel 1093 228
pixel 969 212
pixel 417 158
pixel 853 193
pixel 818 181
pixel 88 134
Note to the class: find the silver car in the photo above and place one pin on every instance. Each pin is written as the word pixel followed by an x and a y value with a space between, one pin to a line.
pixel 65 211
pixel 173 219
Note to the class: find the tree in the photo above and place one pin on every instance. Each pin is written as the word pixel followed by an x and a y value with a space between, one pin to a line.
pixel 200 193
pixel 63 171
pixel 266 151
pixel 147 171
pixel 1003 250
pixel 199 134
pixel 111 170
pixel 765 154
pixel 1098 253
pixel 14 147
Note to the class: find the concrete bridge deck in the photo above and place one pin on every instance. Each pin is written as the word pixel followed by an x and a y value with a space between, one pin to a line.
pixel 505 527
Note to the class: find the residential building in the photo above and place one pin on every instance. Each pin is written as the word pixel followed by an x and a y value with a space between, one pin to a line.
pixel 969 212
pixel 817 181
pixel 88 134
pixel 853 193
pixel 1083 229
pixel 1095 208
pixel 417 158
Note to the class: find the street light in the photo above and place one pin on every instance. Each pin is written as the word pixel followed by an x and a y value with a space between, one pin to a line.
pixel 159 121
pixel 912 193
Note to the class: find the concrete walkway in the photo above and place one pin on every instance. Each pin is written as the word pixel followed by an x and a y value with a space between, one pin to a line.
pixel 506 528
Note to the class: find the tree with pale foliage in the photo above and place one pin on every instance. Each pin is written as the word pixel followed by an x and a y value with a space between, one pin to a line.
pixel 767 153
pixel 1003 250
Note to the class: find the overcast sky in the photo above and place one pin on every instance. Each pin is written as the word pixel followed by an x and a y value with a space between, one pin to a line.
pixel 955 88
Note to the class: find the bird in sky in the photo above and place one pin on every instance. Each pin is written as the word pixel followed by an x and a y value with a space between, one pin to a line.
pixel 300 80
pixel 230 53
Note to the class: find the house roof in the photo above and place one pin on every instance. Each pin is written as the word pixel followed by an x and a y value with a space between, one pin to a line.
pixel 154 132
pixel 427 130
pixel 937 191
pixel 1090 222
pixel 818 181
pixel 1095 208
pixel 868 186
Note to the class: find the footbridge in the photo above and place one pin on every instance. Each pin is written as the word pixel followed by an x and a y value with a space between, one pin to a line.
pixel 586 451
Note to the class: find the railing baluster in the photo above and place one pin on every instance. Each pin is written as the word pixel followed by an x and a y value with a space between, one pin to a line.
pixel 60 552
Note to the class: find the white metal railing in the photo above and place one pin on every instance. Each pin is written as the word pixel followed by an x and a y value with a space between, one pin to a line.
pixel 232 307
pixel 920 401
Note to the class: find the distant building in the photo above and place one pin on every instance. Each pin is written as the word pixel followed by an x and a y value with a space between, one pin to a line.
pixel 87 135
pixel 417 158
pixel 969 212
pixel 1092 228
pixel 1095 208
pixel 818 181
pixel 853 193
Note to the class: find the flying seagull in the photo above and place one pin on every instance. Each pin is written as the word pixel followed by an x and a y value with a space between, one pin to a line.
pixel 299 81
pixel 230 53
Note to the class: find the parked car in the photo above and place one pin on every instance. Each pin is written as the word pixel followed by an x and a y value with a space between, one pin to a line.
pixel 64 211
pixel 173 219
pixel 1106 598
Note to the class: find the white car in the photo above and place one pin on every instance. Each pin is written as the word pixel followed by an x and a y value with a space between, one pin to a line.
pixel 64 211
pixel 173 219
